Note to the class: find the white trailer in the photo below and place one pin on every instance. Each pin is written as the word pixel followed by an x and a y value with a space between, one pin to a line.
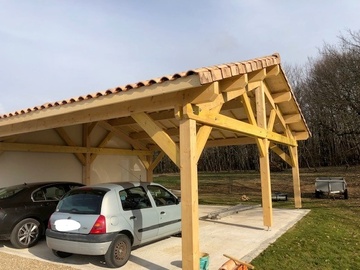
pixel 331 186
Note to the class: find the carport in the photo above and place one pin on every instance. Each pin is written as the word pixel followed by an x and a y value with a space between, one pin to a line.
pixel 114 134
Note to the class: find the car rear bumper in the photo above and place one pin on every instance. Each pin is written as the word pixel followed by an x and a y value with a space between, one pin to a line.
pixel 91 244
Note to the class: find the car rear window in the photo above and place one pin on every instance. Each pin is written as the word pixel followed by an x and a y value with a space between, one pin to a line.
pixel 82 201
pixel 8 192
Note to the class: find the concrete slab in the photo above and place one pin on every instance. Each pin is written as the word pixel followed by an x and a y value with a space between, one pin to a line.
pixel 241 235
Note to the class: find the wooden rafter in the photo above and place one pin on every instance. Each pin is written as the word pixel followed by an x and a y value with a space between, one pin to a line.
pixel 250 114
pixel 134 143
pixel 159 136
pixel 234 83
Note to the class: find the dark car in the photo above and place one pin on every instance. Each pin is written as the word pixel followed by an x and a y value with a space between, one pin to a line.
pixel 25 210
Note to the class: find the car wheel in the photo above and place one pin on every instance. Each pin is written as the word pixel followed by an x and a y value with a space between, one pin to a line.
pixel 119 251
pixel 61 254
pixel 26 233
pixel 346 194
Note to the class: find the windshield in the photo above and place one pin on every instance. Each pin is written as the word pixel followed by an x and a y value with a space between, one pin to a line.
pixel 7 192
pixel 82 201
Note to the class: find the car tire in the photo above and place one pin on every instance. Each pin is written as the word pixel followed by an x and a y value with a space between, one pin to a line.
pixel 26 233
pixel 61 254
pixel 119 251
pixel 346 194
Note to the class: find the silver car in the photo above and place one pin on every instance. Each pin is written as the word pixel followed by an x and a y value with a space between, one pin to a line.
pixel 109 219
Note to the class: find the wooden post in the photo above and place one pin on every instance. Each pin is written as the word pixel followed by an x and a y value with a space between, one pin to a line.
pixel 87 165
pixel 149 175
pixel 296 176
pixel 264 159
pixel 189 195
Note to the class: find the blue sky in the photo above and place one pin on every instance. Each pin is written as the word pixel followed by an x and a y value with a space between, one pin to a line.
pixel 53 50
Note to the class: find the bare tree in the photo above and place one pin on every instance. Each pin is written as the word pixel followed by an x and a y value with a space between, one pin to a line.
pixel 329 96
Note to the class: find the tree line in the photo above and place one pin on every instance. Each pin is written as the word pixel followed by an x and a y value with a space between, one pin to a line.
pixel 327 89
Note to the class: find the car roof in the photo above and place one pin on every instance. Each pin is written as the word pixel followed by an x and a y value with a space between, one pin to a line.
pixel 124 185
pixel 40 184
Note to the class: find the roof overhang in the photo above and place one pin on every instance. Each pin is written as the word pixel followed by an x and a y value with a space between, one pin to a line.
pixel 221 97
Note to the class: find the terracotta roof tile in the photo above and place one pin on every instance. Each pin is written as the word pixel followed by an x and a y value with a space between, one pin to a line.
pixel 234 69
pixel 206 75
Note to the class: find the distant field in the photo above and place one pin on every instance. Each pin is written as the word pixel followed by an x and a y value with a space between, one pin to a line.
pixel 327 238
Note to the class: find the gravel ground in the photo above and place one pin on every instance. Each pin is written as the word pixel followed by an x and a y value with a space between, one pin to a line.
pixel 12 262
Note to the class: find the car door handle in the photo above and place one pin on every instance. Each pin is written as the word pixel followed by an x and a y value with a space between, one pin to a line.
pixel 132 217
pixel 162 213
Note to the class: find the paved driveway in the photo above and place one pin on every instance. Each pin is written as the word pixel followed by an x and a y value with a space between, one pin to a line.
pixel 241 235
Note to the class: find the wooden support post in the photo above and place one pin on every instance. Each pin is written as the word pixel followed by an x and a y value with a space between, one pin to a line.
pixel 153 164
pixel 264 159
pixel 189 195
pixel 149 175
pixel 87 165
pixel 296 176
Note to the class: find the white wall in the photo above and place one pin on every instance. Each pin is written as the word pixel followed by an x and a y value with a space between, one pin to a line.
pixel 117 169
pixel 20 167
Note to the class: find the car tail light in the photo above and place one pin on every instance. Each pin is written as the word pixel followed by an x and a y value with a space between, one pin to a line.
pixel 99 226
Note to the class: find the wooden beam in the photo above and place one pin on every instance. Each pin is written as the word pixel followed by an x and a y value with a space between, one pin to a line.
pixel 264 160
pixel 23 147
pixel 272 71
pixel 222 99
pixel 274 105
pixel 189 195
pixel 203 135
pixel 292 118
pixel 224 122
pixel 157 89
pixel 66 138
pixel 300 136
pixel 281 154
pixel 271 121
pixel 156 161
pixel 92 127
pixel 134 143
pixel 232 141
pixel 257 76
pixel 156 116
pixel 250 115
pixel 156 97
pixel 234 83
pixel 103 143
pixel 251 86
pixel 281 97
pixel 159 136
pixel 143 135
pixel 86 168
pixel 203 94
pixel 296 176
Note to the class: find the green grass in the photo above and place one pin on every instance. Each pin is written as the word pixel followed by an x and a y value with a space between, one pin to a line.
pixel 327 238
